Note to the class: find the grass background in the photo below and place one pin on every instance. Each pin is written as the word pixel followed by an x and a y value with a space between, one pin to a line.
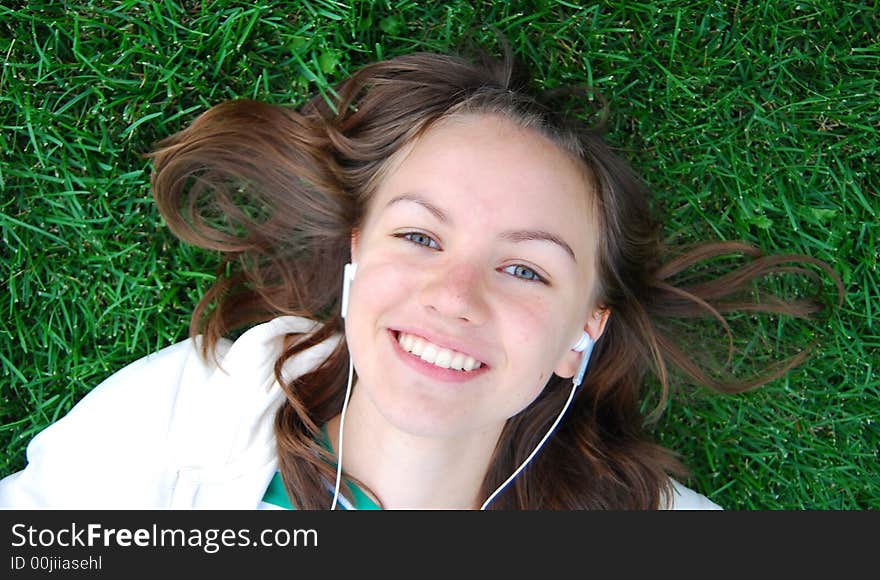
pixel 750 120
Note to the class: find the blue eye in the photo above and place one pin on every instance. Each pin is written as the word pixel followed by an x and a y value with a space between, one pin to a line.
pixel 421 239
pixel 523 273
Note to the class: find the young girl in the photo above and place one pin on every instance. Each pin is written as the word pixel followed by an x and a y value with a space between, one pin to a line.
pixel 451 294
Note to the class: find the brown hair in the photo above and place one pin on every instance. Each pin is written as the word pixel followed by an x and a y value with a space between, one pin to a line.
pixel 278 192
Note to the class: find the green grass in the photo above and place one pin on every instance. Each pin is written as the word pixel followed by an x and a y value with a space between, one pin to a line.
pixel 751 120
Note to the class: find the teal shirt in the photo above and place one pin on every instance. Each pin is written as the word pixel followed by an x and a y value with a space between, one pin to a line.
pixel 277 495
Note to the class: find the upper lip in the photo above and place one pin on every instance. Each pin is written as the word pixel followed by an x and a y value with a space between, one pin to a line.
pixel 445 341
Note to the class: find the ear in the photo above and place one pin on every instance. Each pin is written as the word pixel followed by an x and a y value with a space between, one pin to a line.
pixel 595 326
pixel 355 238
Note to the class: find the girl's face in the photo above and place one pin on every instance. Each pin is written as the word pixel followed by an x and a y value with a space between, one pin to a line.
pixel 475 271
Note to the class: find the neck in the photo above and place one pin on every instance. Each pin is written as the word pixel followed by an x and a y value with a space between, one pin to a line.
pixel 407 471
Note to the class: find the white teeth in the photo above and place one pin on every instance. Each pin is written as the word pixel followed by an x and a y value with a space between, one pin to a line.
pixel 444 357
pixel 431 353
pixel 418 345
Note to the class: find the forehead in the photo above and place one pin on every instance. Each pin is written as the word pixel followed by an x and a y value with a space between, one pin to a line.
pixel 494 174
pixel 490 145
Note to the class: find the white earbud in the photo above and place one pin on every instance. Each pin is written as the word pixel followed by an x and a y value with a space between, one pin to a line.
pixel 584 345
pixel 347 277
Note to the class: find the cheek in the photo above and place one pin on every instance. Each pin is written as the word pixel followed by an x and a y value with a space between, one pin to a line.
pixel 531 322
pixel 378 287
pixel 533 331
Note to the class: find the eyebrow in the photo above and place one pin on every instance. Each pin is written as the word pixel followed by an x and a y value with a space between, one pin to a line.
pixel 438 213
pixel 513 236
pixel 539 235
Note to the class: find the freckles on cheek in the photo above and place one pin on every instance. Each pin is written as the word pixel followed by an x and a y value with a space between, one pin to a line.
pixel 390 286
pixel 532 327
pixel 544 342
pixel 536 336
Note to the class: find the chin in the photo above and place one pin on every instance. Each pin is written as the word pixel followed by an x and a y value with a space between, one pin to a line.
pixel 432 419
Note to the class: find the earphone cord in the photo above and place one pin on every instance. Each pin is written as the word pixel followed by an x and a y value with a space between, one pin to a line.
pixel 522 466
pixel 341 430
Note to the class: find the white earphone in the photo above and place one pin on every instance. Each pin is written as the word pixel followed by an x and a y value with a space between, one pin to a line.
pixel 348 273
pixel 584 345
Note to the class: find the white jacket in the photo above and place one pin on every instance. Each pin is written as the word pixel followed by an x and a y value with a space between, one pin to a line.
pixel 173 431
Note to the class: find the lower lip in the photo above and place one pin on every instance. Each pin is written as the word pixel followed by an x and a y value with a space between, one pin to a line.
pixel 431 370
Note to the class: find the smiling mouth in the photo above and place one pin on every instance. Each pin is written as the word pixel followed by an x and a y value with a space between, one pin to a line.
pixel 437 355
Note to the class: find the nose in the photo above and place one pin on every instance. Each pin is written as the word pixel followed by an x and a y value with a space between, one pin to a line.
pixel 456 291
